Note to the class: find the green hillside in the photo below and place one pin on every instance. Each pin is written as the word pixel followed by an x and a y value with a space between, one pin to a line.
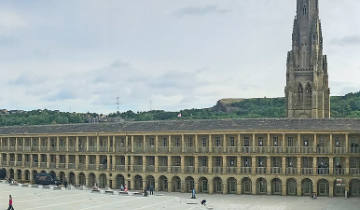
pixel 347 106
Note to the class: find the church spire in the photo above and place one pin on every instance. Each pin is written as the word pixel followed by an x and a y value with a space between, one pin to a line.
pixel 307 91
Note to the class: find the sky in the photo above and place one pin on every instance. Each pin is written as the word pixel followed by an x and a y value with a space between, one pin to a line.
pixel 80 55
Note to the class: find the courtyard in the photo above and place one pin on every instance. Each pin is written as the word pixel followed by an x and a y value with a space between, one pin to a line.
pixel 30 198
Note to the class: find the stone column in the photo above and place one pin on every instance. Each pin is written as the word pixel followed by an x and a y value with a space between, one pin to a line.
pixel 169 144
pixel 253 165
pixel 210 159
pixel 16 145
pixel 108 163
pixel 132 161
pixel 298 142
pixel 144 143
pixel 268 165
pixel 132 143
pixel 224 159
pixel 113 162
pixel 298 187
pixel 283 187
pixel 331 144
pixel 238 144
pixel 268 186
pixel 347 143
pixel 224 186
pixel 77 143
pixel 210 143
pixel 57 143
pixel 169 164
pixel 268 143
pixel 169 185
pixel 182 143
pixel 347 165
pixel 97 143
pixel 48 144
pixel 156 164
pixel 283 165
pixel 298 167
pixel 126 163
pixel 253 142
pixel 144 163
pixel 66 161
pixel 57 160
pixel 87 144
pixel 211 186
pixel 97 162
pixel 182 163
pixel 86 162
pixel 156 143
pixel 331 167
pixel 283 142
pixel 48 160
pixel 127 143
pixel 224 143
pixel 196 143
pixel 331 189
pixel 315 165
pixel 253 187
pixel 67 143
pixel 315 143
pixel 196 164
pixel 238 164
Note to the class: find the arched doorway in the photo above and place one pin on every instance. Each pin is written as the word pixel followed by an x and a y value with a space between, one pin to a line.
pixel 306 187
pixel 18 174
pixel 34 173
pixel 246 185
pixel 261 187
pixel 53 174
pixel 339 189
pixel 323 187
pixel 218 185
pixel 91 180
pixel 231 185
pixel 163 183
pixel 176 184
pixel 203 185
pixel 120 180
pixel 43 172
pixel 150 181
pixel 189 184
pixel 102 181
pixel 82 179
pixel 72 178
pixel 62 176
pixel 27 175
pixel 355 187
pixel 291 187
pixel 12 174
pixel 138 185
pixel 276 186
pixel 2 173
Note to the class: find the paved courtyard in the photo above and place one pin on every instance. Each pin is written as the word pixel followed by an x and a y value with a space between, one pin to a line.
pixel 37 198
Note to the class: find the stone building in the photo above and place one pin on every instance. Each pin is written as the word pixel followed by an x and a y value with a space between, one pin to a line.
pixel 289 156
pixel 307 90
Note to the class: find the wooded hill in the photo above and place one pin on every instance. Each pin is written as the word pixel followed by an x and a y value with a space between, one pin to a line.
pixel 347 106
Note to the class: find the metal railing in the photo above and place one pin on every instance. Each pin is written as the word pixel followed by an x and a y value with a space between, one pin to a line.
pixel 150 149
pixel 176 169
pixel 339 150
pixel 355 171
pixel 322 171
pixel 27 148
pixel 231 170
pixel 19 163
pixel 245 170
pixel 307 150
pixel 120 149
pixel 137 168
pixel 120 167
pixel 163 168
pixel 291 149
pixel 339 171
pixel 105 149
pixel 91 166
pixel 150 168
pixel 306 171
pixel 189 169
pixel 322 150
pixel 203 169
pixel 276 170
pixel 103 167
pixel 260 170
pixel 354 150
pixel 217 170
pixel 291 171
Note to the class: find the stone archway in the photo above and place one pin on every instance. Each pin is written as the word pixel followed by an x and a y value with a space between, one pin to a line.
pixel 218 186
pixel 2 173
pixel 246 185
pixel 72 178
pixel 120 180
pixel 18 174
pixel 261 186
pixel 53 174
pixel 306 187
pixel 231 185
pixel 138 185
pixel 150 181
pixel 91 180
pixel 355 187
pixel 102 181
pixel 176 184
pixel 82 179
pixel 62 176
pixel 291 187
pixel 34 173
pixel 12 173
pixel 276 186
pixel 323 187
pixel 27 175
pixel 189 184
pixel 203 185
pixel 163 183
pixel 339 190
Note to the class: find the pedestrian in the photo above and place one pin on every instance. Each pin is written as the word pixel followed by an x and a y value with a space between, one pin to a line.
pixel 122 187
pixel 151 189
pixel 193 196
pixel 203 202
pixel 10 203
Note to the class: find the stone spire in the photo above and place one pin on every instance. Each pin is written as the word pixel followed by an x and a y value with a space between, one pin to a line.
pixel 307 90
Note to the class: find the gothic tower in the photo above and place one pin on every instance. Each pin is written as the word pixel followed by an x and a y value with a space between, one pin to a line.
pixel 307 92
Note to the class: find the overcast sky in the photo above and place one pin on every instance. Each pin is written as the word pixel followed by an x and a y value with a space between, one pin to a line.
pixel 80 55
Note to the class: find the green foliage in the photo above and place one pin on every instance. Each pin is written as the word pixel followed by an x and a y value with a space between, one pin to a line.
pixel 347 106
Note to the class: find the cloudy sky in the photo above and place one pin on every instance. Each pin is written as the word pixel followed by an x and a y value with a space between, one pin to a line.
pixel 80 55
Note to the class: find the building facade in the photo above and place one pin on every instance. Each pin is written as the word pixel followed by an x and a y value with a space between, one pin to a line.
pixel 270 156
pixel 307 89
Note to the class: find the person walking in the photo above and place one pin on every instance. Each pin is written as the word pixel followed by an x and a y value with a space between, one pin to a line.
pixel 10 203
pixel 151 189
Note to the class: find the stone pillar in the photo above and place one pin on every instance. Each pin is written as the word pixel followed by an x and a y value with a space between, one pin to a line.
pixel 210 143
pixel 238 164
pixel 86 162
pixel 144 162
pixel 126 163
pixel 196 164
pixel 331 167
pixel 97 162
pixel 283 165
pixel 132 160
pixel 253 187
pixel 253 142
pixel 169 185
pixel 113 162
pixel 298 167
pixel 169 144
pixel 331 189
pixel 283 187
pixel 298 187
pixel 97 143
pixel 156 164
pixel 210 159
pixel 77 144
pixel 331 144
pixel 224 143
pixel 108 163
pixel 224 159
pixel 268 165
pixel 156 143
pixel 315 143
pixel 67 143
pixel 315 186
pixel 315 165
pixel 347 143
pixel 298 144
pixel 347 165
pixel 182 164
pixel 283 142
pixel 182 143
pixel 238 187
pixel 16 145
pixel 87 144
pixel 268 142
pixel 109 149
pixel 48 144
pixel 57 143
pixel 253 165
pixel 169 164
pixel 48 160
pixel 66 161
pixel 196 143
pixel 57 160
pixel 268 187
pixel 238 144
pixel 224 186
pixel 127 143
pixel 211 186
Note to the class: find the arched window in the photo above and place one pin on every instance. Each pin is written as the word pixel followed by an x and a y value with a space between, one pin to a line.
pixel 304 9
pixel 300 94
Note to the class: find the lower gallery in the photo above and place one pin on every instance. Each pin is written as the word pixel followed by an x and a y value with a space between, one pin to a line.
pixel 244 156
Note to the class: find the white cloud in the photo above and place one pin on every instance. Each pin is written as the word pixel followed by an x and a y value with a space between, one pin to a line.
pixel 10 21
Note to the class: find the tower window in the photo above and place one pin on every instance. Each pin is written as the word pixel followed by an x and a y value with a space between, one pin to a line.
pixel 304 10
